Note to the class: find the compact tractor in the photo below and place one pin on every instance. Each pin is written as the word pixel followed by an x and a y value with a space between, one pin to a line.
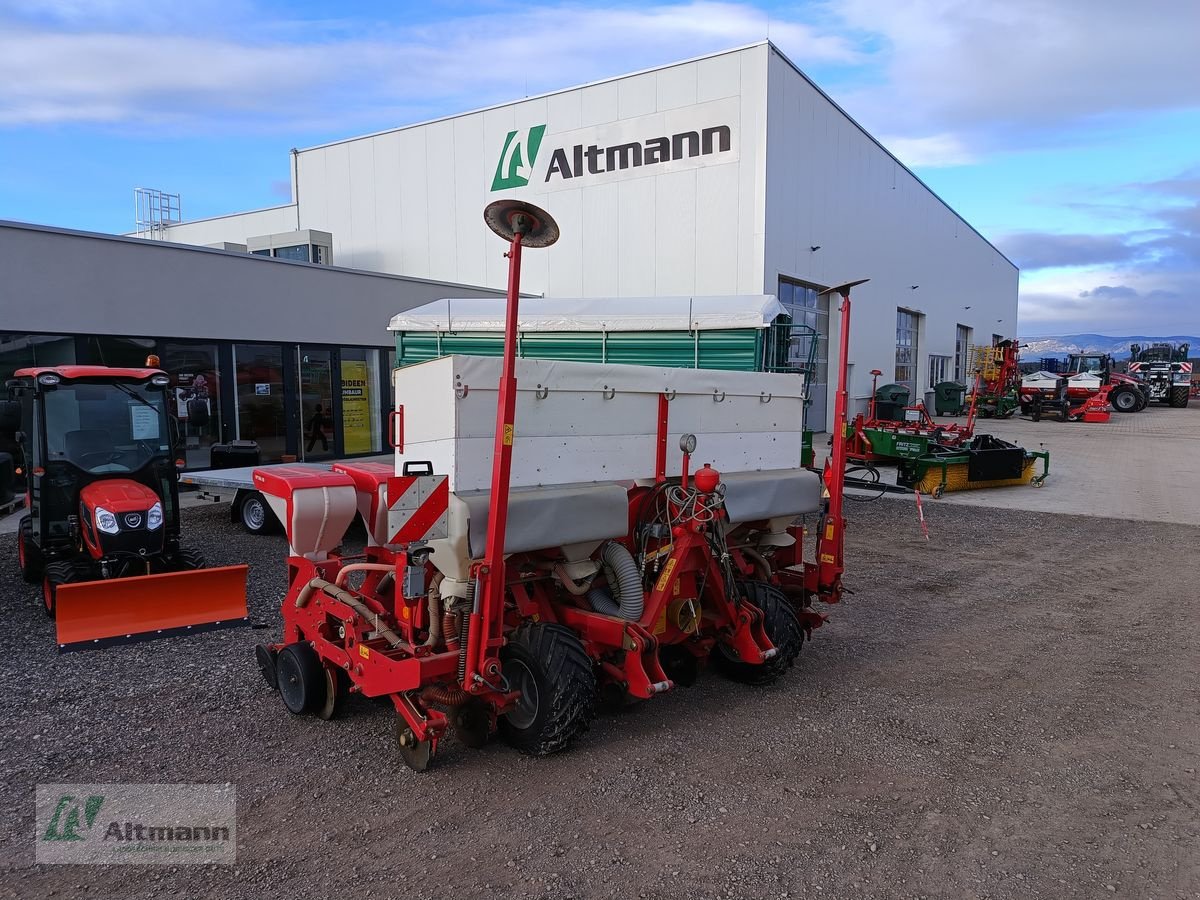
pixel 1163 370
pixel 537 549
pixel 102 535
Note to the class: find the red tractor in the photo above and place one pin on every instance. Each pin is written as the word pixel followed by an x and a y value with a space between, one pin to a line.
pixel 513 609
pixel 102 535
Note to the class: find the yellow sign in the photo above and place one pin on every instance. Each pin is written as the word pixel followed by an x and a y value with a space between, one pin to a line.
pixel 665 578
pixel 508 435
pixel 356 407
pixel 364 651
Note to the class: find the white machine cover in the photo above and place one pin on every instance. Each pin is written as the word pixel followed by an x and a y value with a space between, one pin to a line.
pixel 752 496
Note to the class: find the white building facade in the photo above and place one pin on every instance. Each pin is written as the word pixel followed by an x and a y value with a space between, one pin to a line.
pixel 728 174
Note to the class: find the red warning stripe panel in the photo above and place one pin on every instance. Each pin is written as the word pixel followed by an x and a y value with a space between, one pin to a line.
pixel 1135 367
pixel 1185 367
pixel 412 516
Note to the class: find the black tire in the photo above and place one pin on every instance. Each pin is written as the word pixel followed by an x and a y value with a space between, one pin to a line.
pixel 1143 400
pixel 301 678
pixel 548 664
pixel 1179 396
pixel 1125 399
pixel 57 574
pixel 187 559
pixel 255 514
pixel 781 626
pixel 29 554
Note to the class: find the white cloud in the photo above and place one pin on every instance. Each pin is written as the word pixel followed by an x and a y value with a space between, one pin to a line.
pixel 933 151
pixel 181 64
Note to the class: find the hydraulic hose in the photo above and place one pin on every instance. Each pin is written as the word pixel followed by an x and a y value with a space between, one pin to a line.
pixel 624 579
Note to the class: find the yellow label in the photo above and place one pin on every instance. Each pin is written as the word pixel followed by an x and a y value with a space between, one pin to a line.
pixel 508 435
pixel 660 624
pixel 665 578
pixel 535 617
pixel 827 558
pixel 364 651
pixel 829 532
pixel 678 587
pixel 404 611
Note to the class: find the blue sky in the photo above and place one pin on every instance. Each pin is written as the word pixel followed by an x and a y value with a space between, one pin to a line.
pixel 1067 131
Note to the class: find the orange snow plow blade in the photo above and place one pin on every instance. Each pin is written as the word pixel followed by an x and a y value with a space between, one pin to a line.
pixel 94 614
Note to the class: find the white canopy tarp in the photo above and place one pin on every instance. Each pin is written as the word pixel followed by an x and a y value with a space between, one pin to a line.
pixel 595 314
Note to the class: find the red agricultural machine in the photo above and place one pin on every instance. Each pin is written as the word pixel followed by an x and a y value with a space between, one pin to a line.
pixel 874 439
pixel 584 557
pixel 1084 392
pixel 102 535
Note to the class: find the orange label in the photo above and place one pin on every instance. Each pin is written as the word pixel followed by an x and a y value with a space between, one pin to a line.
pixel 660 624
pixel 827 558
pixel 364 651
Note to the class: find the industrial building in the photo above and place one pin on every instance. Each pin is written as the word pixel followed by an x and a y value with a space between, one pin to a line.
pixel 729 174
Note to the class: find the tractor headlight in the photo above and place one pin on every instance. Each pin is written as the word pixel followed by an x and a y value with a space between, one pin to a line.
pixel 154 516
pixel 106 521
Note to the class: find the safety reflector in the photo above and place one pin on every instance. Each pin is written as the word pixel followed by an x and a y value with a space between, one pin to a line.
pixel 418 508
pixel 94 614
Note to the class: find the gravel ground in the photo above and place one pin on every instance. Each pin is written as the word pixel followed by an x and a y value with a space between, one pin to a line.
pixel 991 714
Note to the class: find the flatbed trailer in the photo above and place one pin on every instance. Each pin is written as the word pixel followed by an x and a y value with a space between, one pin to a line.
pixel 247 506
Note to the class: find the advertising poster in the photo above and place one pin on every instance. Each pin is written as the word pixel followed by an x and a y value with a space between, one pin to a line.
pixel 356 407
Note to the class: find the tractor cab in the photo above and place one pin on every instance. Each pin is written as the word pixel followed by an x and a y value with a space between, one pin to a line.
pixel 1091 363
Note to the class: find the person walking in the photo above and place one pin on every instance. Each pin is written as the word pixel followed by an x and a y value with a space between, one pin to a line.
pixel 316 430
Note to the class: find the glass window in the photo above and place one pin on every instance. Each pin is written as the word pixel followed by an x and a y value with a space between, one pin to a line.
pixel 299 253
pixel 19 351
pixel 939 368
pixel 196 394
pixel 261 252
pixel 261 410
pixel 810 342
pixel 106 427
pixel 962 349
pixel 316 402
pixel 360 426
pixel 907 326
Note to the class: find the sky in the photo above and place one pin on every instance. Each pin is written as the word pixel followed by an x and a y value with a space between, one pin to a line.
pixel 1066 131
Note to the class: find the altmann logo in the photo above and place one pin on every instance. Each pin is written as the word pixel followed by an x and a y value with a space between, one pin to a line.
pixel 517 159
pixel 66 822
pixel 520 152
pixel 594 160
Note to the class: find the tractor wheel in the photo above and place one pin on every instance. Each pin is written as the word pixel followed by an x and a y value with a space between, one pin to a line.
pixel 1143 400
pixel 29 555
pixel 187 559
pixel 548 666
pixel 1179 397
pixel 301 678
pixel 256 515
pixel 57 574
pixel 1125 399
pixel 781 626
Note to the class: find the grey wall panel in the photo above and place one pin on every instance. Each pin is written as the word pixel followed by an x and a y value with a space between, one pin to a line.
pixel 75 282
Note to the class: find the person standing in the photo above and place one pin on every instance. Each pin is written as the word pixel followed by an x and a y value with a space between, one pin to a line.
pixel 316 430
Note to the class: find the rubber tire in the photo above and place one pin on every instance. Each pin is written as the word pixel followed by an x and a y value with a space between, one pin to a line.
pixel 781 626
pixel 1143 400
pixel 187 559
pixel 29 554
pixel 1130 397
pixel 249 515
pixel 1179 397
pixel 301 678
pixel 566 685
pixel 59 573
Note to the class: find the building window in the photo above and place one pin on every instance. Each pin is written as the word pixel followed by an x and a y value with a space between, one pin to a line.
pixel 907 326
pixel 939 368
pixel 360 426
pixel 809 309
pixel 298 253
pixel 962 352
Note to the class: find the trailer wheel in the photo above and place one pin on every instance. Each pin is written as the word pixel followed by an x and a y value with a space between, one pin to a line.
pixel 1179 396
pixel 301 678
pixel 1125 399
pixel 29 555
pixel 547 664
pixel 60 573
pixel 781 626
pixel 256 515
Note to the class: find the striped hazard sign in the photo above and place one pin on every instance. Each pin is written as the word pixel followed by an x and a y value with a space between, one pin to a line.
pixel 418 508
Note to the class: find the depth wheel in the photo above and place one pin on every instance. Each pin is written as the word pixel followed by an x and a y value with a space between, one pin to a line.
pixel 29 555
pixel 301 678
pixel 548 666
pixel 416 754
pixel 266 659
pixel 337 684
pixel 782 627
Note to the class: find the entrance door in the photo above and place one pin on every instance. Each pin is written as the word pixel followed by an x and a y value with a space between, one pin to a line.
pixel 316 403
